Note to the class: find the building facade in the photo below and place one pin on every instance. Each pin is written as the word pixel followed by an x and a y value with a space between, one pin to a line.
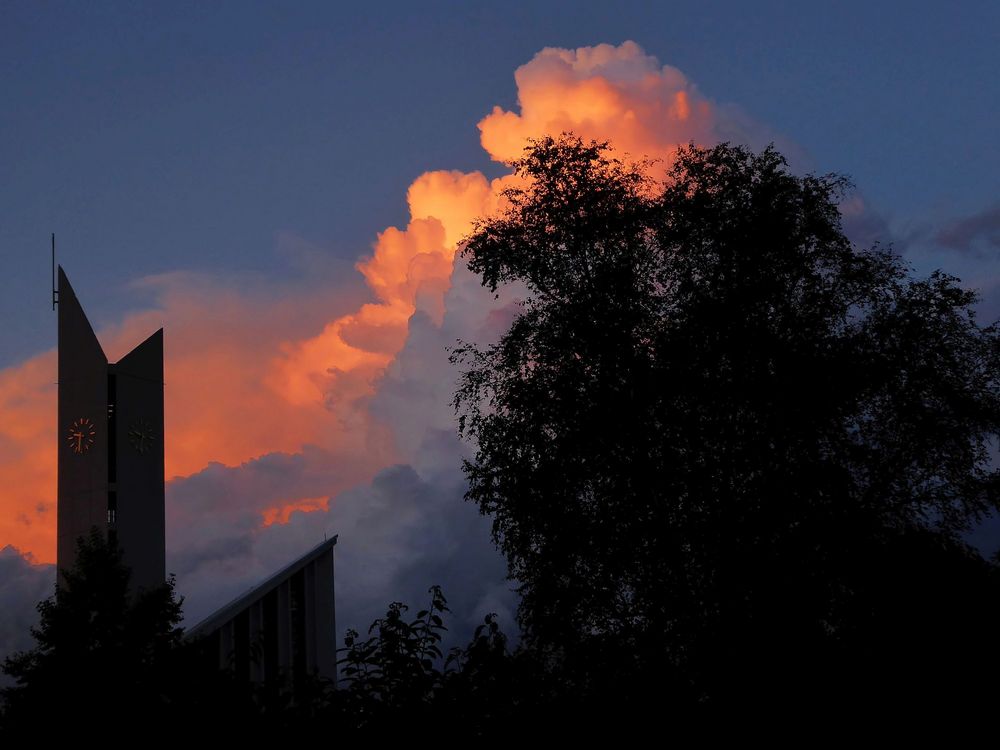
pixel 282 628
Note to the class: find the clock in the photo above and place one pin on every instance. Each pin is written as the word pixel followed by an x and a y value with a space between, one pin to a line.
pixel 81 435
pixel 141 435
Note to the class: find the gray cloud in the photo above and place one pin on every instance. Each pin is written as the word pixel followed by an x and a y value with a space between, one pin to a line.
pixel 22 586
pixel 865 227
pixel 978 234
pixel 398 534
pixel 401 531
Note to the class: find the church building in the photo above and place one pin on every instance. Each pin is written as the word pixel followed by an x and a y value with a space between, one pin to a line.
pixel 111 476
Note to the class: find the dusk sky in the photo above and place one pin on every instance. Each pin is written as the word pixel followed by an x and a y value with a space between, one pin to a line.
pixel 283 187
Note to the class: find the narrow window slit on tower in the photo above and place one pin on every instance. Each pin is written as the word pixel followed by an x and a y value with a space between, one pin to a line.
pixel 112 432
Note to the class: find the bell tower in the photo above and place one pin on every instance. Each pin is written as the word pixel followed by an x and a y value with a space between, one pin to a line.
pixel 110 452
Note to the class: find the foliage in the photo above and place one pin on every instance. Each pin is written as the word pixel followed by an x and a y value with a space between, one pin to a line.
pixel 104 651
pixel 395 666
pixel 399 672
pixel 98 644
pixel 710 408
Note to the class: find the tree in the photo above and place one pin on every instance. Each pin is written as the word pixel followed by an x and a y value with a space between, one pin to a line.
pixel 395 668
pixel 714 417
pixel 398 677
pixel 102 651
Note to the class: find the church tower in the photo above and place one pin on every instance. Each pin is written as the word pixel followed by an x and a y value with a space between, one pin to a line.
pixel 110 434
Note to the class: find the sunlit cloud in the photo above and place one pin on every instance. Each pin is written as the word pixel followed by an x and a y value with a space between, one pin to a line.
pixel 28 456
pixel 296 410
pixel 282 512
pixel 619 94
pixel 219 408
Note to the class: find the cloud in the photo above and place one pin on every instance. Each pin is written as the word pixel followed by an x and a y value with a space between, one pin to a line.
pixel 978 234
pixel 27 456
pixel 221 334
pixel 318 406
pixel 611 93
pixel 255 368
pixel 398 534
pixel 282 512
pixel 407 271
pixel 865 227
pixel 404 530
pixel 23 584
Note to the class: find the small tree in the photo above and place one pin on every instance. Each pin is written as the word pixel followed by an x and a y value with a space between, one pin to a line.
pixel 101 650
pixel 396 667
pixel 714 415
pixel 398 677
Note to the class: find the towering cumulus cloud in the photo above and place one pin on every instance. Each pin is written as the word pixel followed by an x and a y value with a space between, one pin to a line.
pixel 299 412
pixel 610 93
pixel 408 271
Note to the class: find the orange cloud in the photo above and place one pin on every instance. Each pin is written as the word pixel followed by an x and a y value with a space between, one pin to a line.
pixel 247 373
pixel 281 513
pixel 218 344
pixel 409 269
pixel 28 456
pixel 611 93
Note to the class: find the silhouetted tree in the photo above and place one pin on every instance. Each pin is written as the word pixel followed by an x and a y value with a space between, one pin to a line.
pixel 398 679
pixel 102 651
pixel 105 653
pixel 396 667
pixel 715 428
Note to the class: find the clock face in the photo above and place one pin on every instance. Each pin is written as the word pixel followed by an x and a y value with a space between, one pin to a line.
pixel 81 435
pixel 141 435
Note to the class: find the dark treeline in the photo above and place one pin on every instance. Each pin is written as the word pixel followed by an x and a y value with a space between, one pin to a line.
pixel 731 460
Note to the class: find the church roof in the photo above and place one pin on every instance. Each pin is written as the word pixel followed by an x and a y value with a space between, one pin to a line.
pixel 224 614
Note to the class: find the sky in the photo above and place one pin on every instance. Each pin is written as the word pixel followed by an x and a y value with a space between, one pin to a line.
pixel 283 189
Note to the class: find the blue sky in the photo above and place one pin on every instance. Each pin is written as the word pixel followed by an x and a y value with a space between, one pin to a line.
pixel 163 136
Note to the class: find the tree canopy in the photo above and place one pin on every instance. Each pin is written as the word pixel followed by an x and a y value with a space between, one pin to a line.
pixel 100 648
pixel 716 425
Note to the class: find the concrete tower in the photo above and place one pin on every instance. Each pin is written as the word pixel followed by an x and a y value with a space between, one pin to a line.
pixel 110 435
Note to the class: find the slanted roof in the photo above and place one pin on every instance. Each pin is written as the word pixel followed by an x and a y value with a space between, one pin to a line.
pixel 228 612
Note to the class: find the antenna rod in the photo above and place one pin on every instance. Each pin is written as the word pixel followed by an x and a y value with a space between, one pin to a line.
pixel 55 292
